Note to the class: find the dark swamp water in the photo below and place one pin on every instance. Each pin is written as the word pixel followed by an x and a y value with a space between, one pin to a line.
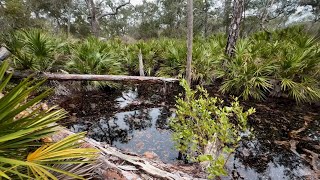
pixel 285 142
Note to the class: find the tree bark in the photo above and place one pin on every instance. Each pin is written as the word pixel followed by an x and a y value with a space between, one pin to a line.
pixel 190 40
pixel 141 69
pixel 115 12
pixel 234 28
pixel 207 6
pixel 93 19
pixel 4 53
pixel 226 18
pixel 69 22
pixel 91 77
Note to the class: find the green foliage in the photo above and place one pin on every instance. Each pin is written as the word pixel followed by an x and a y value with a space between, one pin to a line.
pixel 173 56
pixel 15 14
pixel 207 57
pixel 247 74
pixel 166 58
pixel 281 63
pixel 93 56
pixel 148 50
pixel 22 155
pixel 34 49
pixel 203 122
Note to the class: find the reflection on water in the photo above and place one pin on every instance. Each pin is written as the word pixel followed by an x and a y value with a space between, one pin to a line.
pixel 137 131
pixel 136 120
pixel 254 160
pixel 128 96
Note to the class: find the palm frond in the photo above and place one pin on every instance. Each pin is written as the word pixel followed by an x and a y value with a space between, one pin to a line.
pixel 22 125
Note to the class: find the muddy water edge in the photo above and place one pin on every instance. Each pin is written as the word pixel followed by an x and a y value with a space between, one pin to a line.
pixel 285 142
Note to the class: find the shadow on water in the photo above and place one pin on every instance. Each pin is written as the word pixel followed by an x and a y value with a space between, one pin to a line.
pixel 136 120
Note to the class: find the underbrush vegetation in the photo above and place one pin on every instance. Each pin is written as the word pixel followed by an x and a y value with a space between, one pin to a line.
pixel 26 149
pixel 206 130
pixel 280 63
pixel 283 63
pixel 35 50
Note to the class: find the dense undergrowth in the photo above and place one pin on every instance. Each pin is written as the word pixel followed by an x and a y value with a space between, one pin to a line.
pixel 26 149
pixel 281 63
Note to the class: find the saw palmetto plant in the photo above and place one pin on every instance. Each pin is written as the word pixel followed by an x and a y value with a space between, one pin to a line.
pixel 149 57
pixel 248 75
pixel 173 58
pixel 22 154
pixel 298 69
pixel 281 63
pixel 34 49
pixel 94 57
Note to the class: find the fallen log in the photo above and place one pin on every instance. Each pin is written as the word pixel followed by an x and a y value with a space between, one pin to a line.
pixel 4 53
pixel 91 77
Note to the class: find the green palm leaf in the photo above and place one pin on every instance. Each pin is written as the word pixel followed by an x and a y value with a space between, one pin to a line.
pixel 20 136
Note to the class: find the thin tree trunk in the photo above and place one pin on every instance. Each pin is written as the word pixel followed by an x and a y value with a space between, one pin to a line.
pixel 141 69
pixel 226 19
pixel 234 28
pixel 190 40
pixel 69 22
pixel 207 6
pixel 94 20
pixel 265 14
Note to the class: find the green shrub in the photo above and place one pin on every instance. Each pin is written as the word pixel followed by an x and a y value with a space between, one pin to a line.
pixel 149 57
pixel 173 57
pixel 23 124
pixel 247 75
pixel 93 56
pixel 204 122
pixel 34 49
pixel 282 63
pixel 207 57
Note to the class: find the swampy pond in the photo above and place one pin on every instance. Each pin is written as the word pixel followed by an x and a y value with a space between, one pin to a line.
pixel 284 143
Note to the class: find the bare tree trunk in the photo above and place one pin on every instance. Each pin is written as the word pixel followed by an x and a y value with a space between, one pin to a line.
pixel 93 19
pixel 141 69
pixel 69 22
pixel 207 6
pixel 234 28
pixel 226 18
pixel 190 40
pixel 265 14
